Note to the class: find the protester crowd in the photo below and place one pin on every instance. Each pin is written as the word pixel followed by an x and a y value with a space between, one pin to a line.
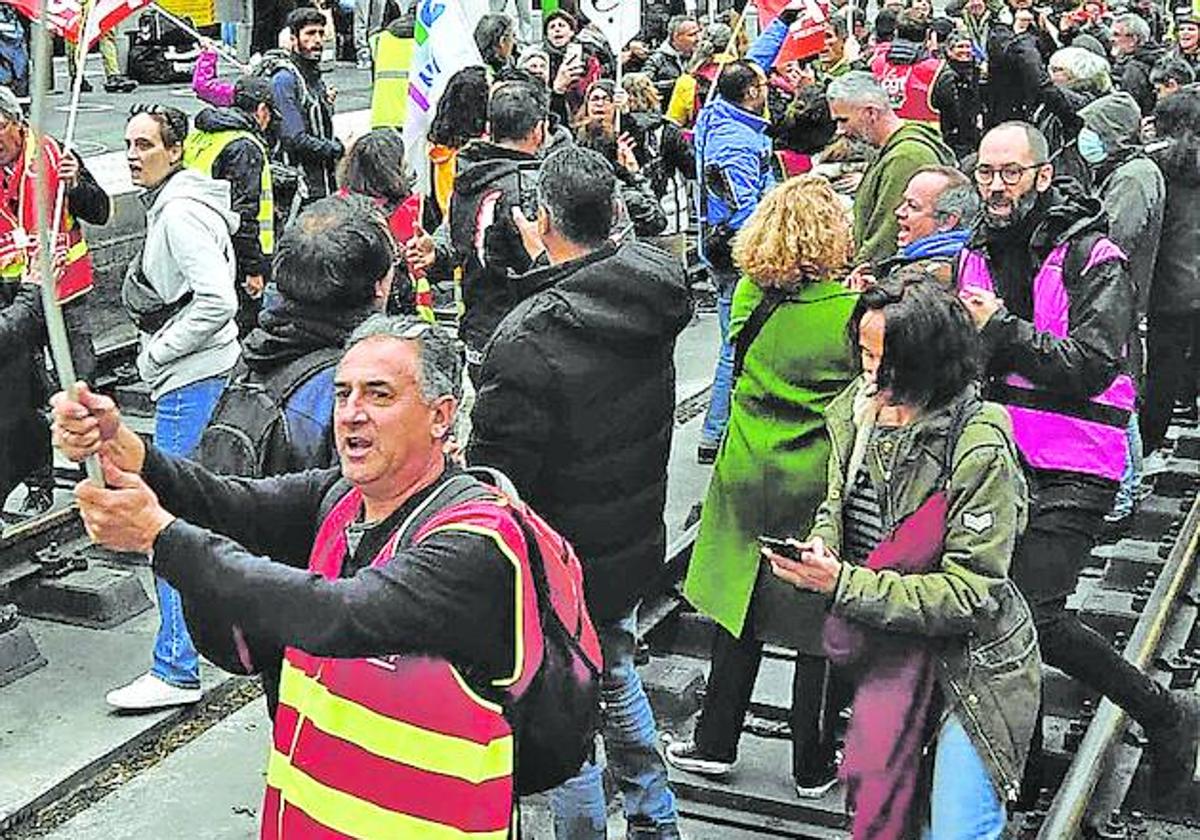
pixel 954 258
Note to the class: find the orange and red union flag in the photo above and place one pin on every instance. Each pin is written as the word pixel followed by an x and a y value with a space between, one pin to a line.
pixel 66 16
pixel 806 38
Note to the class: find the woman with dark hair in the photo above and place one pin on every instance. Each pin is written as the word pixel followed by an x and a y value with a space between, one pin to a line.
pixel 1173 329
pixel 461 116
pixel 911 548
pixel 374 168
pixel 496 37
pixel 789 318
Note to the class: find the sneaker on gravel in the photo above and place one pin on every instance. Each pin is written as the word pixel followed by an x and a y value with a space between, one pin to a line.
pixel 149 692
pixel 685 756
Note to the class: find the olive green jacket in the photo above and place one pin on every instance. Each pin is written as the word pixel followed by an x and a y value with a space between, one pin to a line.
pixel 989 669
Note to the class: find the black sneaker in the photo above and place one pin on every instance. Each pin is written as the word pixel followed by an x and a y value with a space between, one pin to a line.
pixel 1173 749
pixel 38 500
pixel 85 86
pixel 120 84
pixel 685 756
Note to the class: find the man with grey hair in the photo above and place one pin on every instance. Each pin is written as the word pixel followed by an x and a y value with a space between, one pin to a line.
pixel 576 404
pixel 860 107
pixel 375 602
pixel 934 222
pixel 668 62
pixel 1135 54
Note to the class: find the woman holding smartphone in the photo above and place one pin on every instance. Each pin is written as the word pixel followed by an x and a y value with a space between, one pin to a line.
pixel 911 549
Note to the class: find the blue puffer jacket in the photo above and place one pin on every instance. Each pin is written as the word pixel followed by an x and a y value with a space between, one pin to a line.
pixel 735 140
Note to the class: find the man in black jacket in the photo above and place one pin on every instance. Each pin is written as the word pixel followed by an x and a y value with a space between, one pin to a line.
pixel 306 105
pixel 1135 54
pixel 493 176
pixel 576 404
pixel 230 144
pixel 1051 296
pixel 666 64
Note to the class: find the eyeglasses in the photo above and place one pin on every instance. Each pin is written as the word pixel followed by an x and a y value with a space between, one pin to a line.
pixel 1010 173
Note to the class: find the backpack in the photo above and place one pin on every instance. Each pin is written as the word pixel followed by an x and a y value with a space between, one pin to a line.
pixel 556 716
pixel 248 434
pixel 161 52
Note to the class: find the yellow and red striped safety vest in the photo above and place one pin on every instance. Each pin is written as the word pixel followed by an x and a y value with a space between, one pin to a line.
pixel 399 747
pixel 18 223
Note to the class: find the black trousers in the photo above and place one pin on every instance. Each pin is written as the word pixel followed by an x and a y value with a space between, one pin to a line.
pixel 1065 517
pixel 1171 342
pixel 818 694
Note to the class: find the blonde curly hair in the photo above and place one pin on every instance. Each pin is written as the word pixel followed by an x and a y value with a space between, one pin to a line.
pixel 799 233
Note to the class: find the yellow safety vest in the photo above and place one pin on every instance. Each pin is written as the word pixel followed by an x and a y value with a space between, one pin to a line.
pixel 389 98
pixel 200 152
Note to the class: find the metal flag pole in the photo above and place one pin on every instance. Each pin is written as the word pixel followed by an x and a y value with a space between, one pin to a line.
pixel 56 330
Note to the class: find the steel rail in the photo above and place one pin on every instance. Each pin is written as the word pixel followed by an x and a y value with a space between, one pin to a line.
pixel 1070 804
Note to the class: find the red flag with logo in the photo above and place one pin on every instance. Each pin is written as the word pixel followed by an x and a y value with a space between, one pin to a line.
pixel 65 16
pixel 806 38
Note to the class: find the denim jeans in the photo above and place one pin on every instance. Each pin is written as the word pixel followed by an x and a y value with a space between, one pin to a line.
pixel 717 417
pixel 1132 477
pixel 179 419
pixel 964 805
pixel 631 748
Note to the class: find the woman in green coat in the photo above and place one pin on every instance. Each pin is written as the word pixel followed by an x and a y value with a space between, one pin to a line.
pixel 789 327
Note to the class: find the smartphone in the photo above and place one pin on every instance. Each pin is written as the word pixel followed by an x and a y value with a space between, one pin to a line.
pixel 527 178
pixel 779 546
pixel 574 51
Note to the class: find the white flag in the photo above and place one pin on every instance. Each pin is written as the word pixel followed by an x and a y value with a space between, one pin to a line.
pixel 619 20
pixel 445 44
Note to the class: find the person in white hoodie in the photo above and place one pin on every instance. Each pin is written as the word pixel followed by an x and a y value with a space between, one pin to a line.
pixel 180 292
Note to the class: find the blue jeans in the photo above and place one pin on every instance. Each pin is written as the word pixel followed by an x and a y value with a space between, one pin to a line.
pixel 1127 493
pixel 179 419
pixel 631 748
pixel 964 805
pixel 717 417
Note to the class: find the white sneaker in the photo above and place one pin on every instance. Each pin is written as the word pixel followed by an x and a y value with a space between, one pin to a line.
pixel 150 692
pixel 685 756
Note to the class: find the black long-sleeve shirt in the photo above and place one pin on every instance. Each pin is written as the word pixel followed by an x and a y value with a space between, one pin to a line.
pixel 452 596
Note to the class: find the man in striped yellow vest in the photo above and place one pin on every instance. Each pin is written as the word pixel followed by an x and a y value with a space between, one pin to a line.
pixel 230 144
pixel 392 49
pixel 398 584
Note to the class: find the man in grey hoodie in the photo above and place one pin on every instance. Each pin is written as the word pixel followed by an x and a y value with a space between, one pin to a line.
pixel 1134 194
pixel 180 292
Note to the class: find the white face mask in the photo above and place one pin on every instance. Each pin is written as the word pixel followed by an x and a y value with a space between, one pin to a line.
pixel 1091 146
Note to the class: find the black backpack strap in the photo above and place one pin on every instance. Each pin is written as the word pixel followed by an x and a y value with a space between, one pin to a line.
pixel 771 301
pixel 963 415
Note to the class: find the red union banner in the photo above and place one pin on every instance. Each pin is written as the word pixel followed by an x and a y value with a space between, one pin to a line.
pixel 65 15
pixel 806 38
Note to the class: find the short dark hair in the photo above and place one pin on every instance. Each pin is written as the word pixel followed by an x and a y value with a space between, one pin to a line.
pixel 930 344
pixel 489 32
pixel 374 166
pixel 514 110
pixel 251 91
pixel 736 79
pixel 303 16
pixel 576 188
pixel 1172 69
pixel 172 123
pixel 334 254
pixel 911 27
pixel 885 25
